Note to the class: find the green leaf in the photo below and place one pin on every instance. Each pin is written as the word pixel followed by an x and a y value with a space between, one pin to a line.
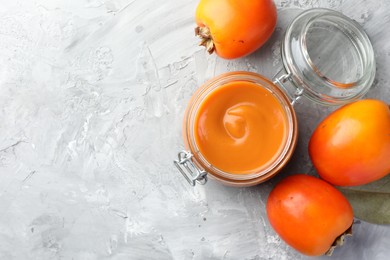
pixel 370 202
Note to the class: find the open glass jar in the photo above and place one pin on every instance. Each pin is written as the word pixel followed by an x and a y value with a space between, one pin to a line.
pixel 327 58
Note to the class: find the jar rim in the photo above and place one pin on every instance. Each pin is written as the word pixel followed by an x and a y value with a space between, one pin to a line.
pixel 282 157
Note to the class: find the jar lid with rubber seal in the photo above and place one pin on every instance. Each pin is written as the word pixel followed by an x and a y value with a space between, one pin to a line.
pixel 241 129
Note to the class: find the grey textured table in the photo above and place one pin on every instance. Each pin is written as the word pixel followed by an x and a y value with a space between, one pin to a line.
pixel 92 94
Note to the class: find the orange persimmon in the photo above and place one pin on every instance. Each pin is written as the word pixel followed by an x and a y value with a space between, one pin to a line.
pixel 352 145
pixel 309 214
pixel 234 28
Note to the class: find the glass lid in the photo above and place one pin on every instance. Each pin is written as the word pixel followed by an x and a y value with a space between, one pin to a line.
pixel 328 57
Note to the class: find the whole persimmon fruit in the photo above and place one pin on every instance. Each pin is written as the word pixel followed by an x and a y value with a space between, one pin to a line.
pixel 309 214
pixel 351 146
pixel 234 28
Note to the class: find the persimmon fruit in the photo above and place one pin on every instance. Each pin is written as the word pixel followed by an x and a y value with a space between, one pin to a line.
pixel 309 214
pixel 351 146
pixel 234 29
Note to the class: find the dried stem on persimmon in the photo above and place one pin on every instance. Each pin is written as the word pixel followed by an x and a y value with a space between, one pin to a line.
pixel 339 241
pixel 205 38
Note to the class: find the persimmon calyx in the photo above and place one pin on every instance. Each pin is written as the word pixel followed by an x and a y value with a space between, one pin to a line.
pixel 339 241
pixel 205 38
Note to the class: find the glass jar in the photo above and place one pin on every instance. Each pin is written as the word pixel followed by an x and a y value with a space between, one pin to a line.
pixel 327 58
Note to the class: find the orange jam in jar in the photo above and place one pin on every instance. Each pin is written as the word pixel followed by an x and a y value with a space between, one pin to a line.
pixel 240 128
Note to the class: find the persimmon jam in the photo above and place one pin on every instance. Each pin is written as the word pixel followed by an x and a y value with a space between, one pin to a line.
pixel 241 127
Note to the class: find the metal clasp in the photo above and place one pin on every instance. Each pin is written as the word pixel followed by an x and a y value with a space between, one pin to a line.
pixel 280 80
pixel 189 170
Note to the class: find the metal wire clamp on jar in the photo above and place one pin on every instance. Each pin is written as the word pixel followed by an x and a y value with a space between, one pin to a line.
pixel 327 58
